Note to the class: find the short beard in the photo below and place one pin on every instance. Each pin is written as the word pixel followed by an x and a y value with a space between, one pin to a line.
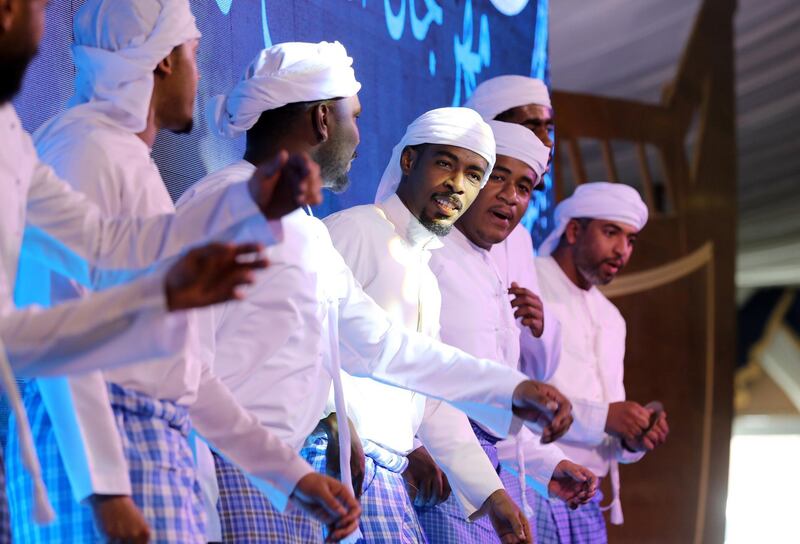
pixel 334 159
pixel 438 229
pixel 592 275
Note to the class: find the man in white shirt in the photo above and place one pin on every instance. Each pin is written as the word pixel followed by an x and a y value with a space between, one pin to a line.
pixel 523 101
pixel 593 239
pixel 435 174
pixel 290 339
pixel 479 315
pixel 136 74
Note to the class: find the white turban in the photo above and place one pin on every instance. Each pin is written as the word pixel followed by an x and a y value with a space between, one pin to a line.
pixel 501 93
pixel 283 74
pixel 460 127
pixel 521 143
pixel 598 200
pixel 117 47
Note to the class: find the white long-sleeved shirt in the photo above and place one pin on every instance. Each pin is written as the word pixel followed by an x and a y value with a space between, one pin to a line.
pixel 590 372
pixel 273 348
pixel 389 251
pixel 114 169
pixel 477 317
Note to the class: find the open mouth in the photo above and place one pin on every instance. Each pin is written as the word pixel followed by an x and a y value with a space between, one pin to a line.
pixel 612 267
pixel 447 205
pixel 502 215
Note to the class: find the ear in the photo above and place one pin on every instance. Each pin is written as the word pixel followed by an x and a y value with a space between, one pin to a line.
pixel 408 159
pixel 573 231
pixel 9 9
pixel 321 118
pixel 167 64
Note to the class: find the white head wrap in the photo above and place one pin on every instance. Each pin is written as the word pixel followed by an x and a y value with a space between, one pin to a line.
pixel 283 74
pixel 501 93
pixel 520 143
pixel 598 200
pixel 117 47
pixel 460 127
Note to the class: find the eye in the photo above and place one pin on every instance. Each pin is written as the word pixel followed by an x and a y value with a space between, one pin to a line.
pixel 497 177
pixel 524 189
pixel 474 178
pixel 442 163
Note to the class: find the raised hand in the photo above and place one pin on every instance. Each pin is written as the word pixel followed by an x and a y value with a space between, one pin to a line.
pixel 211 274
pixel 285 183
pixel 572 483
pixel 329 501
pixel 119 520
pixel 427 485
pixel 509 522
pixel 654 436
pixel 545 407
pixel 528 307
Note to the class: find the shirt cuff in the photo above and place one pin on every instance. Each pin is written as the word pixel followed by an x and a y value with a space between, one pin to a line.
pixel 589 424
pixel 497 416
pixel 280 491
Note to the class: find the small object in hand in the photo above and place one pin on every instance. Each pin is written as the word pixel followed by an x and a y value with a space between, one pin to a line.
pixel 657 408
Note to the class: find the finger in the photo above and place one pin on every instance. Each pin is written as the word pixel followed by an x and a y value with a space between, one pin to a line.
pixel 446 488
pixel 518 526
pixel 330 499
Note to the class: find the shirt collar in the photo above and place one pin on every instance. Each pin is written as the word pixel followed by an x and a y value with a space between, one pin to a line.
pixel 407 226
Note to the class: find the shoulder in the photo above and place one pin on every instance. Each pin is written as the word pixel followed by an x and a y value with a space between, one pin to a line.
pixel 233 173
pixel 362 223
pixel 609 309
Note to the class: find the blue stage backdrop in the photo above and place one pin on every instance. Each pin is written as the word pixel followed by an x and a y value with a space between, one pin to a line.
pixel 410 56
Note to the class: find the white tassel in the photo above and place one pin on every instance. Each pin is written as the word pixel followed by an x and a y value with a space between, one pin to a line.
pixel 341 411
pixel 616 504
pixel 526 508
pixel 43 512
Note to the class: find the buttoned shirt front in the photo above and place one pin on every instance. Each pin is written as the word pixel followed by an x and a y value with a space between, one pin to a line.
pixel 477 317
pixel 590 372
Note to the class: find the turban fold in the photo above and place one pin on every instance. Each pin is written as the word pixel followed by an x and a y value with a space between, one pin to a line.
pixel 598 200
pixel 501 93
pixel 283 74
pixel 520 143
pixel 460 127
pixel 117 47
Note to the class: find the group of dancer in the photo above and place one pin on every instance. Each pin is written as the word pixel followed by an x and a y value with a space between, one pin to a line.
pixel 230 368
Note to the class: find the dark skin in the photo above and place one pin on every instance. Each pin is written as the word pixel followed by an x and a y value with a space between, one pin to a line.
pixel 427 485
pixel 592 252
pixel 496 212
pixel 305 131
pixel 538 119
pixel 439 183
pixel 203 276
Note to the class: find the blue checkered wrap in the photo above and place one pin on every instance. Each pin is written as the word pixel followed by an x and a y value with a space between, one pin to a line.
pixel 161 466
pixel 557 524
pixel 247 516
pixel 5 522
pixel 445 523
pixel 387 513
pixel 74 522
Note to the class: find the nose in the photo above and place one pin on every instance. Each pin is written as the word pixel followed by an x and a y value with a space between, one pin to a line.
pixel 508 193
pixel 456 182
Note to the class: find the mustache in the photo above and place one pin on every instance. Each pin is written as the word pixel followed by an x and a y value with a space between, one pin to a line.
pixel 452 197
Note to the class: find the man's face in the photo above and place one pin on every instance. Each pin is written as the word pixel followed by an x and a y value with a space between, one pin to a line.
pixel 21 28
pixel 602 248
pixel 537 118
pixel 500 205
pixel 439 183
pixel 180 88
pixel 335 155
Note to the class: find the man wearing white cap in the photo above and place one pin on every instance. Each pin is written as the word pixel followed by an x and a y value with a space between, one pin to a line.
pixel 126 444
pixel 593 239
pixel 523 101
pixel 293 339
pixel 477 317
pixel 107 329
pixel 434 175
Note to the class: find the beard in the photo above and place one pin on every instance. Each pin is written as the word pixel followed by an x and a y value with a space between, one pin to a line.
pixel 334 159
pixel 439 229
pixel 13 68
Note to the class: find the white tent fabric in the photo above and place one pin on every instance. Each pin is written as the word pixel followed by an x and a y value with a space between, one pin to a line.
pixel 630 48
